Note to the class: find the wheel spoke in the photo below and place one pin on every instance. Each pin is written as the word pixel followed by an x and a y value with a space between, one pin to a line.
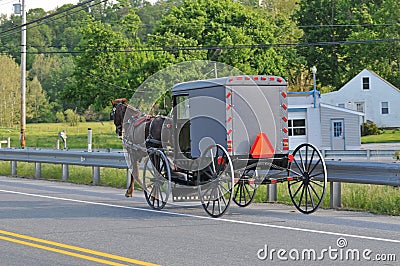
pixel 314 175
pixel 318 184
pixel 298 189
pixel 312 157
pixel 311 197
pixel 315 165
pixel 315 192
pixel 301 160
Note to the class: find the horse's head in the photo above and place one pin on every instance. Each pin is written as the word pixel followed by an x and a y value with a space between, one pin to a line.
pixel 117 114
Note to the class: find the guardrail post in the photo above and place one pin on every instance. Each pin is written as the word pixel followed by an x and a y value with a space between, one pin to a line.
pixel 323 152
pixel 38 170
pixel 368 154
pixel 8 142
pixel 65 172
pixel 13 168
pixel 336 191
pixel 272 192
pixel 96 175
pixel 89 145
pixel 57 144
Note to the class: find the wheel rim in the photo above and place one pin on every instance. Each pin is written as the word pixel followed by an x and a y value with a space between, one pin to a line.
pixel 244 190
pixel 156 180
pixel 216 181
pixel 308 170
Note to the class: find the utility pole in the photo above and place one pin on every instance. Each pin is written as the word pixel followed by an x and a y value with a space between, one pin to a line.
pixel 23 77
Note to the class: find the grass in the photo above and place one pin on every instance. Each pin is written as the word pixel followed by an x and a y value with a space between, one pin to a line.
pixel 357 197
pixel 387 136
pixel 45 135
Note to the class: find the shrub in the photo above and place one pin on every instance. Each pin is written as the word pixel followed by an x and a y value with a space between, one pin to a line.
pixel 369 128
pixel 396 155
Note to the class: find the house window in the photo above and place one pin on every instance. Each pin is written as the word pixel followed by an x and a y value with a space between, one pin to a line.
pixel 341 105
pixel 365 83
pixel 360 107
pixel 385 108
pixel 297 127
pixel 337 129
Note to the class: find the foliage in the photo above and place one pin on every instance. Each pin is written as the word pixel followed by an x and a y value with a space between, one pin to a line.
pixel 345 21
pixel 73 118
pixel 211 23
pixel 9 91
pixel 369 128
pixel 396 155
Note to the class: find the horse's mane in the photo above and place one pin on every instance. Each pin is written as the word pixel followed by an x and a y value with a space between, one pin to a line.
pixel 124 101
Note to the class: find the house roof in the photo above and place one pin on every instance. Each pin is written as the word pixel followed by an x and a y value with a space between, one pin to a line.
pixel 384 80
pixel 341 109
pixel 374 74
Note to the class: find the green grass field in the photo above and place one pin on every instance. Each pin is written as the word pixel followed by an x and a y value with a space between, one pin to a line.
pixel 392 135
pixel 45 135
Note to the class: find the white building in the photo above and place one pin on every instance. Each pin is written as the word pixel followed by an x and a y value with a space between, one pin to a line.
pixel 369 94
pixel 325 126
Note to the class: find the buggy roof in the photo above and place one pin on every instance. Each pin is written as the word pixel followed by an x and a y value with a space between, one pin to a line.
pixel 257 80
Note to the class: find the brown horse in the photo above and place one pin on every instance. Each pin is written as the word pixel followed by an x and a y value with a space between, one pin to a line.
pixel 139 133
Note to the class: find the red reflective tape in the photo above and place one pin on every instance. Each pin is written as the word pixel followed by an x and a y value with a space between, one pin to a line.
pixel 229 106
pixel 271 78
pixel 229 94
pixel 284 106
pixel 284 94
pixel 229 131
pixel 279 79
pixel 291 158
pixel 229 119
pixel 290 178
pixel 284 119
pixel 274 181
pixel 247 78
pixel 255 78
pixel 239 78
pixel 263 78
pixel 285 140
pixel 285 130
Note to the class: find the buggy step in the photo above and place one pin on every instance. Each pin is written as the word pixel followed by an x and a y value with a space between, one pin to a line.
pixel 185 194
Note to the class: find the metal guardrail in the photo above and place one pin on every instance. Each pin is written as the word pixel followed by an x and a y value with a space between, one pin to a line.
pixel 377 173
pixel 65 158
pixel 361 154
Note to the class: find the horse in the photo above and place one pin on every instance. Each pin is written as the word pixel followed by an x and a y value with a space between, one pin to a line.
pixel 139 132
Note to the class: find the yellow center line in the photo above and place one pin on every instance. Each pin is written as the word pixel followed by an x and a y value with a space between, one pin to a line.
pixel 88 251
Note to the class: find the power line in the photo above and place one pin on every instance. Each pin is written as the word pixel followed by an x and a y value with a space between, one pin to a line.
pixel 131 49
pixel 17 28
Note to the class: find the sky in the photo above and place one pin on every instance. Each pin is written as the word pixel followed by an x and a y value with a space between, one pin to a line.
pixel 6 6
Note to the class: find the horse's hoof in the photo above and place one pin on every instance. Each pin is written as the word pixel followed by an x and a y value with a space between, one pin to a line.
pixel 128 195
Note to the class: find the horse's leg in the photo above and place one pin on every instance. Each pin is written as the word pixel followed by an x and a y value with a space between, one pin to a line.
pixel 135 172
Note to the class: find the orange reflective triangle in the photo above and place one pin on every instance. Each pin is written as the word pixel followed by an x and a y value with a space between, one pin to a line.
pixel 262 147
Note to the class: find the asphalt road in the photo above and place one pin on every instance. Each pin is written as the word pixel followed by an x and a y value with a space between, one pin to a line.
pixel 54 223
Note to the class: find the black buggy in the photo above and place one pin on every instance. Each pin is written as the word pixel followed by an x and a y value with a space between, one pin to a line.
pixel 231 135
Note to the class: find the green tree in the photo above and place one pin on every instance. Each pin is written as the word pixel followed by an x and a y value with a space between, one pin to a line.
pixel 238 30
pixel 10 97
pixel 37 104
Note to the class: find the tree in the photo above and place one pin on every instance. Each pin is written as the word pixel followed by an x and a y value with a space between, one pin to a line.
pixel 350 20
pixel 237 30
pixel 10 97
pixel 37 104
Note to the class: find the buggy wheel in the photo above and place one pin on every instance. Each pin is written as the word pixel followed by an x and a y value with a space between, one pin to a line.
pixel 308 170
pixel 244 190
pixel 215 181
pixel 156 179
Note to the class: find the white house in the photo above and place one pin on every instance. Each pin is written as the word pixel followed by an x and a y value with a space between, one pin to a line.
pixel 369 94
pixel 325 126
